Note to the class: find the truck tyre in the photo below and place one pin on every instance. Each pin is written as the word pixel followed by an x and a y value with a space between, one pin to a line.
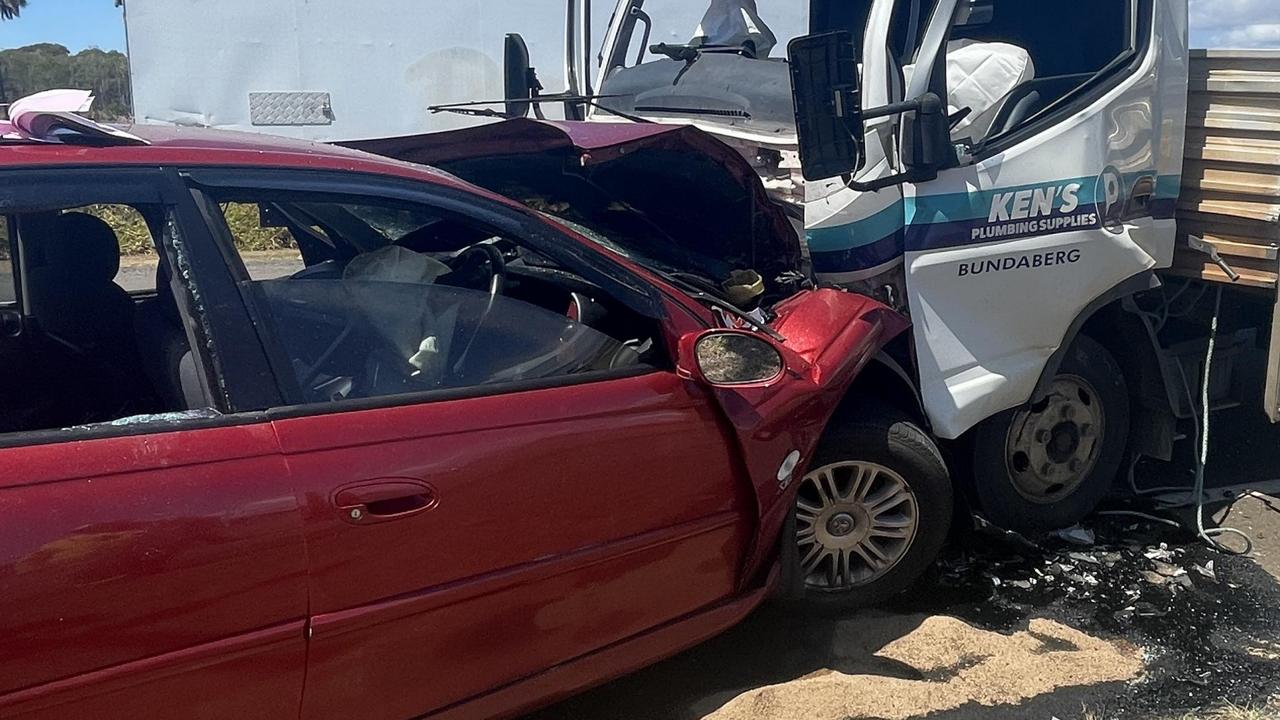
pixel 1048 464
pixel 870 516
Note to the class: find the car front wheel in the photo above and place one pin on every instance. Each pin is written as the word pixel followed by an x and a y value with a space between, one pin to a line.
pixel 870 516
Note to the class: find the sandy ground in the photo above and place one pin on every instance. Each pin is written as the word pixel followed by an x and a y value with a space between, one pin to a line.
pixel 942 666
pixel 1260 518
pixel 875 664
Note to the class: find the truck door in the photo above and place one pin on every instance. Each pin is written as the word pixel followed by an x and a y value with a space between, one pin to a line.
pixel 855 235
pixel 1069 130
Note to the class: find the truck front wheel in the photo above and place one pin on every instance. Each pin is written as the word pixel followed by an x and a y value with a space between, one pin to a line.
pixel 1048 464
pixel 870 516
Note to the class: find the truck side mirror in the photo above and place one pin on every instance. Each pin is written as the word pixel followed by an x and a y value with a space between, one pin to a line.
pixel 828 104
pixel 520 80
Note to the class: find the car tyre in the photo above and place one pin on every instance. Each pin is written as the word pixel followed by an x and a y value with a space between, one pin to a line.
pixel 871 515
pixel 1047 465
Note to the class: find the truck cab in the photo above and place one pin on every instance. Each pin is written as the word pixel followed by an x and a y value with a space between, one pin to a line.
pixel 1004 173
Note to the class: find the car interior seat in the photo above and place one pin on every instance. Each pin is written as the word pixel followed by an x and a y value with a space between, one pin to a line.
pixel 72 260
pixel 168 361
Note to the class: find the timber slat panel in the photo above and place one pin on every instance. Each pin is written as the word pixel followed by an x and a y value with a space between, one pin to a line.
pixel 1231 178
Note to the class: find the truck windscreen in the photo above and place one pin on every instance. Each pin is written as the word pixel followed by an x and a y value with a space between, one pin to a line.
pixel 723 61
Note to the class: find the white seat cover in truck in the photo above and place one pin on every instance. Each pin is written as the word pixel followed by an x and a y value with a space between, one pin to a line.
pixel 733 23
pixel 980 76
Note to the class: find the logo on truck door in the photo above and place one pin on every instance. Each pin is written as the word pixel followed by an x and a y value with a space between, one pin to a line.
pixel 1035 211
pixel 1111 200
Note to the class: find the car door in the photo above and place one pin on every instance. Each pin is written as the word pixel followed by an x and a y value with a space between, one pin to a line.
pixel 464 538
pixel 1066 200
pixel 151 565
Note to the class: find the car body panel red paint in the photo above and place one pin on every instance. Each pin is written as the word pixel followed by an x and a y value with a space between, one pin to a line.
pixel 558 530
pixel 562 681
pixel 144 553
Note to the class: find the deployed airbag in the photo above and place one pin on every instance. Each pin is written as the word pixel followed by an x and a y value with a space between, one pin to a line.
pixel 980 76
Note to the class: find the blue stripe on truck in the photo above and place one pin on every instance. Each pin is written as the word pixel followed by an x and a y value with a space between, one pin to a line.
pixel 936 222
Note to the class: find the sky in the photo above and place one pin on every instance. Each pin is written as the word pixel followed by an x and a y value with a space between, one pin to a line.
pixel 80 24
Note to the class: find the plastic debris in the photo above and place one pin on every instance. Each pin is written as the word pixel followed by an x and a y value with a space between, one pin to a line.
pixel 1207 571
pixel 1077 535
pixel 1168 570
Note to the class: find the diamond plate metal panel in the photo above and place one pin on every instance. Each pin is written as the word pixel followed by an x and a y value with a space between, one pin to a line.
pixel 290 108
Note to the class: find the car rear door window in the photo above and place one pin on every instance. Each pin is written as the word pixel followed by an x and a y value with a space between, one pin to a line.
pixel 96 347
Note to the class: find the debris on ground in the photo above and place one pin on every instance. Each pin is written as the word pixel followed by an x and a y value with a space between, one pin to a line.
pixel 1178 601
pixel 1077 535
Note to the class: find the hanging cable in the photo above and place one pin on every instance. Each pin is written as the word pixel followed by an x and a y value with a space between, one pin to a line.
pixel 1211 535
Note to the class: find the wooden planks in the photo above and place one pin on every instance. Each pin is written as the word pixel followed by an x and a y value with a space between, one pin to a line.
pixel 1231 177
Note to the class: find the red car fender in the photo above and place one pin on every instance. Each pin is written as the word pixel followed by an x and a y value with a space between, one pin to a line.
pixel 830 336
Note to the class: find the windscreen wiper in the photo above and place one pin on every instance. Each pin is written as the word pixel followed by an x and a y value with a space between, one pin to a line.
pixel 477 108
pixel 687 53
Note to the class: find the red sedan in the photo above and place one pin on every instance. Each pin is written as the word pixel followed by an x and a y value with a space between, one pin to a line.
pixel 290 430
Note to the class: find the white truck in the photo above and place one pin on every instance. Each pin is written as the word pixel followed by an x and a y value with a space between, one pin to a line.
pixel 1011 176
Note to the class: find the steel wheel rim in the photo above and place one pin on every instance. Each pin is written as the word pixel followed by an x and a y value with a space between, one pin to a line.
pixel 855 522
pixel 1053 446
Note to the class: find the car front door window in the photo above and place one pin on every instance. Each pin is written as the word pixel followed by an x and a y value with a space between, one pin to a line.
pixel 361 299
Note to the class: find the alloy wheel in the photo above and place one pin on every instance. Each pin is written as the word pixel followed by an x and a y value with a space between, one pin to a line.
pixel 855 521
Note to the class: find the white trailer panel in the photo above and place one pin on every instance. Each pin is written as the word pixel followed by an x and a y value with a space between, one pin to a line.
pixel 330 69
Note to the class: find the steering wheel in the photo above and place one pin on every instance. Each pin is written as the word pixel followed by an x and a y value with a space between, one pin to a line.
pixel 497 265
pixel 489 257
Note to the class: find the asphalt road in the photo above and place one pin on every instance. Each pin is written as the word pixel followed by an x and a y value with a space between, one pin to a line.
pixel 138 273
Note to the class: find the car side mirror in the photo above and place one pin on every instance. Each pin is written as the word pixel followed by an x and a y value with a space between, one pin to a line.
pixel 728 358
pixel 828 104
pixel 519 79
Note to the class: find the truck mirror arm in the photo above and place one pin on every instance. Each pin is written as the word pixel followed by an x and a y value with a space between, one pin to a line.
pixel 927 104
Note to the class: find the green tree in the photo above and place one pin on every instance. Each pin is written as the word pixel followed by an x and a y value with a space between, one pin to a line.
pixel 28 70
pixel 9 9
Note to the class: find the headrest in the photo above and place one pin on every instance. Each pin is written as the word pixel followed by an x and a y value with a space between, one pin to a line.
pixel 735 23
pixel 82 246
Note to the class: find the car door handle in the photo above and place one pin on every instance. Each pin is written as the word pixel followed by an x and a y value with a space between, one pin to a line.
pixel 379 501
